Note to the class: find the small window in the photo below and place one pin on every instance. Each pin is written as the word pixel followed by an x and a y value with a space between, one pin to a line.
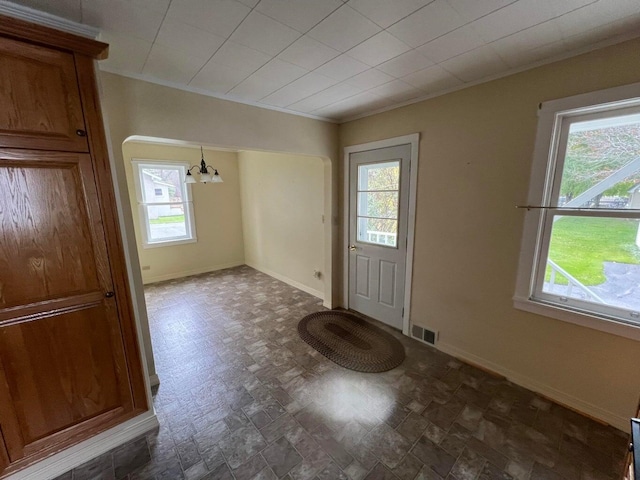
pixel 164 202
pixel 378 193
pixel 586 256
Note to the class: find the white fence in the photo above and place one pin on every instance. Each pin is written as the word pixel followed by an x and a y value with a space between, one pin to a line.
pixel 573 283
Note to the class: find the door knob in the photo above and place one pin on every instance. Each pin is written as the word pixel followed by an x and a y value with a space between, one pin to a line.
pixel 352 247
pixel 109 294
pixel 81 133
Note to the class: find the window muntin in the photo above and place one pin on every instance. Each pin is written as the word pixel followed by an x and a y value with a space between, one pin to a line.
pixel 165 207
pixel 378 195
pixel 588 254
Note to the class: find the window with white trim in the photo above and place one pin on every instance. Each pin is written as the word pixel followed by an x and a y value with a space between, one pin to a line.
pixel 581 244
pixel 164 203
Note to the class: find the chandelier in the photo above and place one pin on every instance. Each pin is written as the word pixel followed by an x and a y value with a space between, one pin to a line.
pixel 203 172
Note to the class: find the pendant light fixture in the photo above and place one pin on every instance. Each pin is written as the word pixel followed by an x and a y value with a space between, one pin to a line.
pixel 203 172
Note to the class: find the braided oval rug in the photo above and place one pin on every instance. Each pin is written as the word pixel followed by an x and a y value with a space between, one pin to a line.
pixel 351 342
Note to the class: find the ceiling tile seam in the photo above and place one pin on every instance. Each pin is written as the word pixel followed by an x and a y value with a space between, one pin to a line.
pixel 347 52
pixel 527 28
pixel 312 71
pixel 470 23
pixel 341 53
pixel 350 96
pixel 486 14
pixel 309 29
pixel 338 120
pixel 344 100
pixel 355 94
pixel 261 67
pixel 419 46
pixel 512 71
pixel 207 93
pixel 399 20
pixel 164 17
pixel 345 81
pixel 273 58
pixel 223 43
pixel 425 6
pixel 344 5
pixel 493 41
pixel 563 37
pixel 598 27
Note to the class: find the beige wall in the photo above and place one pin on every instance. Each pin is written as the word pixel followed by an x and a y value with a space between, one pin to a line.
pixel 133 107
pixel 218 217
pixel 283 209
pixel 475 157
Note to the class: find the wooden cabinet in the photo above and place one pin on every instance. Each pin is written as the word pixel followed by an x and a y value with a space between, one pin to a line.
pixel 39 99
pixel 69 359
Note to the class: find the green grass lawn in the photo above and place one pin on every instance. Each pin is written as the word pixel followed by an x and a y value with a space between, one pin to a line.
pixel 169 219
pixel 580 245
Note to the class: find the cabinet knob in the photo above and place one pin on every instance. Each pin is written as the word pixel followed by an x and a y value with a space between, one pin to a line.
pixel 109 294
pixel 81 133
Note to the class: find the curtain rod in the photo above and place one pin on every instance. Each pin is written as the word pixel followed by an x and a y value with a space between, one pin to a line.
pixel 578 209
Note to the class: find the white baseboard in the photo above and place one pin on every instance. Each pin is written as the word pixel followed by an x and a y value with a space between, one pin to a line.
pixel 187 273
pixel 287 280
pixel 568 400
pixel 75 456
pixel 154 380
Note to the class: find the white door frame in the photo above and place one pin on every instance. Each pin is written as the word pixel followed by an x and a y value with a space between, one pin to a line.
pixel 414 141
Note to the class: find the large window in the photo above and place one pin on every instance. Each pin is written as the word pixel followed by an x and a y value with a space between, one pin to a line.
pixel 586 212
pixel 164 202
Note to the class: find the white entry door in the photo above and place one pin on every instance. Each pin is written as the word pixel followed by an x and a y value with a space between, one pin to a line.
pixel 378 214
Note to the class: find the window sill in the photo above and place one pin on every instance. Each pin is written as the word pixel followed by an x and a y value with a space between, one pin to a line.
pixel 601 323
pixel 170 243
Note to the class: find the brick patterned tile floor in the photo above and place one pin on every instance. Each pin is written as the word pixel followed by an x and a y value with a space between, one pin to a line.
pixel 242 397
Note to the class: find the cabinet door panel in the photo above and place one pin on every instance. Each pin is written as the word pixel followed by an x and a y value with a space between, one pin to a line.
pixel 47 249
pixel 62 360
pixel 62 370
pixel 39 99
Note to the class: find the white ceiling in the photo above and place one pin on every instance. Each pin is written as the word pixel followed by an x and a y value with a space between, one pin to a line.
pixel 339 59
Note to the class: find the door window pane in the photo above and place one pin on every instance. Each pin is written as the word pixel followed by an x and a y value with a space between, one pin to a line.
pixel 377 203
pixel 595 259
pixel 379 231
pixel 379 176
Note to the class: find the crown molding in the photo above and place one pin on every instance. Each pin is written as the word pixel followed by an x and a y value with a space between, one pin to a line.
pixel 42 18
pixel 187 88
pixel 616 39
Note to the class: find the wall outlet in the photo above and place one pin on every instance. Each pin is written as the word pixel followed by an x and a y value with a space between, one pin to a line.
pixel 146 267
